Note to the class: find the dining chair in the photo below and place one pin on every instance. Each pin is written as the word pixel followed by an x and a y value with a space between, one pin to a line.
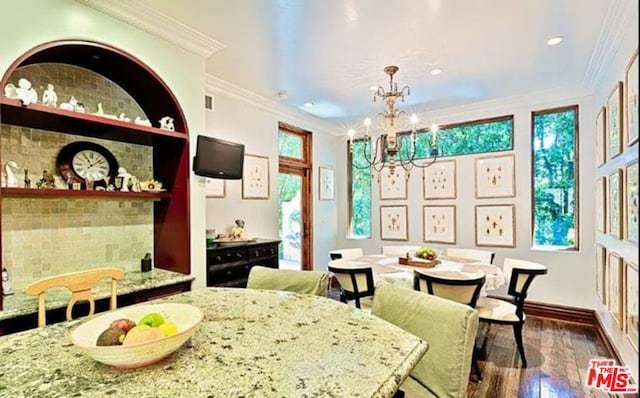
pixel 306 282
pixel 345 254
pixel 355 284
pixel 80 284
pixel 483 256
pixel 398 251
pixel 492 310
pixel 448 327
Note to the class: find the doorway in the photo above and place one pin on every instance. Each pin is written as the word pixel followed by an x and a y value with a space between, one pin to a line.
pixel 294 198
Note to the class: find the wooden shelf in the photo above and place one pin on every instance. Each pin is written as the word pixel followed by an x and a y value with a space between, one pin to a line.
pixel 51 193
pixel 54 119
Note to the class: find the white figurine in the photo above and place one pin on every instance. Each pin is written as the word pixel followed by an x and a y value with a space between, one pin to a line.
pixel 26 93
pixel 142 122
pixel 166 123
pixel 69 106
pixel 79 107
pixel 101 113
pixel 10 176
pixel 49 97
pixel 126 177
pixel 123 118
pixel 135 184
pixel 10 91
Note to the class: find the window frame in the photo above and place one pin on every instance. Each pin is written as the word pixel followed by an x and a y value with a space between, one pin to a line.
pixel 350 194
pixel 306 145
pixel 576 172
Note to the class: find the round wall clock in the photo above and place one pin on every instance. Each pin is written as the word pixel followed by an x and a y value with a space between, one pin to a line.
pixel 83 161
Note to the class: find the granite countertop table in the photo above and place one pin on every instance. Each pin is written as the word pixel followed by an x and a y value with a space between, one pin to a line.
pixel 251 343
pixel 20 303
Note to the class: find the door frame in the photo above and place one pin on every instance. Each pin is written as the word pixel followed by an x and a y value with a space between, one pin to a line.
pixel 304 168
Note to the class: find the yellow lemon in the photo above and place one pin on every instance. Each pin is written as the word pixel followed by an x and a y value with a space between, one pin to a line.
pixel 168 328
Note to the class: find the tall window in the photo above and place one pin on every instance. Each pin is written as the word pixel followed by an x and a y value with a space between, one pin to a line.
pixel 555 178
pixel 359 192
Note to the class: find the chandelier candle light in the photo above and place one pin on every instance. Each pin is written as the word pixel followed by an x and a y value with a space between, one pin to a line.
pixel 389 144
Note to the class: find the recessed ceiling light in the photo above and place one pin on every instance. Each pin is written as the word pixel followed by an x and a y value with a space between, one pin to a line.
pixel 436 71
pixel 555 40
pixel 374 87
pixel 308 104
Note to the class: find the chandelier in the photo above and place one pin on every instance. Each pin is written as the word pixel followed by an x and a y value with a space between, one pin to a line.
pixel 391 148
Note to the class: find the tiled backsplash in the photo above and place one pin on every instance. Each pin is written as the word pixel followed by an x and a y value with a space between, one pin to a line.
pixel 49 236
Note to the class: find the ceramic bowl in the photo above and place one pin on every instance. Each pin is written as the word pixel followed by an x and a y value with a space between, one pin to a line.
pixel 185 316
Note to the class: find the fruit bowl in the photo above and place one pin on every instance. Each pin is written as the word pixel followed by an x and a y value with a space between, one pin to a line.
pixel 186 317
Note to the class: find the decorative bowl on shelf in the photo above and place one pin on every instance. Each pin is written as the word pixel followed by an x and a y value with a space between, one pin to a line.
pixel 186 317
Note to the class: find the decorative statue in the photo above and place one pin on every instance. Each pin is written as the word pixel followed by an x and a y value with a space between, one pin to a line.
pixel 166 123
pixel 10 91
pixel 10 176
pixel 101 113
pixel 124 118
pixel 79 107
pixel 71 105
pixel 6 285
pixel 46 181
pixel 237 232
pixel 26 93
pixel 49 97
pixel 135 184
pixel 126 178
pixel 27 180
pixel 142 122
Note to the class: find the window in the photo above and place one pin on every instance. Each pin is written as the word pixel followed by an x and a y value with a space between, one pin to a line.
pixel 487 135
pixel 290 144
pixel 555 178
pixel 359 191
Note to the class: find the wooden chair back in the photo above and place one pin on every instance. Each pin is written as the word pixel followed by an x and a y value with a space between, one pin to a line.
pixel 80 285
pixel 463 291
pixel 355 283
pixel 483 256
pixel 345 254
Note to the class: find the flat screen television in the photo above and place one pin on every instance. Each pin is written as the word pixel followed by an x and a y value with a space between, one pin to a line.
pixel 216 158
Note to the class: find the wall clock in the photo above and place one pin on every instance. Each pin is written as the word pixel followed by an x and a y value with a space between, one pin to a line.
pixel 82 161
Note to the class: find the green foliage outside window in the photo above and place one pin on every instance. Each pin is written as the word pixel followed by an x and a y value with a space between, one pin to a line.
pixel 360 225
pixel 554 178
pixel 289 145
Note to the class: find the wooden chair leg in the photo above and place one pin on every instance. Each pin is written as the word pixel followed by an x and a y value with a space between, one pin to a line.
pixel 476 367
pixel 398 394
pixel 517 332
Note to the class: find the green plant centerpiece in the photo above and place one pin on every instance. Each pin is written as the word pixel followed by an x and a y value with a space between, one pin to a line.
pixel 426 253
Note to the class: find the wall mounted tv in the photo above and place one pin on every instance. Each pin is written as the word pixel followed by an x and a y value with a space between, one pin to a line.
pixel 216 158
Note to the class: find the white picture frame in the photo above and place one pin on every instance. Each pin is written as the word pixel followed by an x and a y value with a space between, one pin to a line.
pixel 632 101
pixel 439 180
pixel 215 188
pixel 495 225
pixel 495 177
pixel 601 273
pixel 393 186
pixel 393 223
pixel 601 137
pixel 631 310
pixel 439 224
pixel 255 177
pixel 326 183
pixel 631 211
pixel 601 205
pixel 615 121
pixel 615 288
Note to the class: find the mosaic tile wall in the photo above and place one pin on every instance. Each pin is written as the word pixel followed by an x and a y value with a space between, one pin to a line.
pixel 46 237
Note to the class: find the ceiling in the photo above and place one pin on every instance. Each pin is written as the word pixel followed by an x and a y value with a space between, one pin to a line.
pixel 330 51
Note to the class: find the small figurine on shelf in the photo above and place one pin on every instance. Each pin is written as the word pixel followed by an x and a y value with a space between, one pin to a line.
pixel 69 181
pixel 101 113
pixel 6 285
pixel 166 123
pixel 26 93
pixel 10 180
pixel 79 108
pixel 122 173
pixel 71 105
pixel 49 97
pixel 10 91
pixel 46 181
pixel 135 184
pixel 237 232
pixel 27 180
pixel 142 122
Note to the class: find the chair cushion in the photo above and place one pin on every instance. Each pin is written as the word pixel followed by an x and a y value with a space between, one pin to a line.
pixel 448 327
pixel 496 310
pixel 307 282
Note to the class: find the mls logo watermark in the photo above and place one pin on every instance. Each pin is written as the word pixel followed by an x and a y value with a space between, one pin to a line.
pixel 605 375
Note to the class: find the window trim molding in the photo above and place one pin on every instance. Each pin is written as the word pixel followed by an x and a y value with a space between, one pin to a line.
pixel 350 194
pixel 576 172
pixel 305 135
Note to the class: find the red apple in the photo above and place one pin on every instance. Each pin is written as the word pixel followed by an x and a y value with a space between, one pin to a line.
pixel 124 324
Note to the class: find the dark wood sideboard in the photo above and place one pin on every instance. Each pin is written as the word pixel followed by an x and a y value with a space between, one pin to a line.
pixel 229 265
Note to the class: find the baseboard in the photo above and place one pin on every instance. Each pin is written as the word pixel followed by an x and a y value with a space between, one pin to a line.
pixel 606 340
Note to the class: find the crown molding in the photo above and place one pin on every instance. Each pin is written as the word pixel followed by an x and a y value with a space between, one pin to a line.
pixel 146 18
pixel 609 40
pixel 217 85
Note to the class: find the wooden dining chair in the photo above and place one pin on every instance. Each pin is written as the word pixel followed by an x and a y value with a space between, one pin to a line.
pixel 355 283
pixel 398 251
pixel 345 254
pixel 483 256
pixel 305 282
pixel 80 285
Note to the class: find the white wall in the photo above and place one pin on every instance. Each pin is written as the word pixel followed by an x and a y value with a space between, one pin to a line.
pixel 570 280
pixel 183 71
pixel 240 120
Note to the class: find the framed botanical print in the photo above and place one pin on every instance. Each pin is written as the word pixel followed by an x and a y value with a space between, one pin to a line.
pixel 631 303
pixel 439 180
pixel 615 204
pixel 326 183
pixel 631 201
pixel 601 268
pixel 601 137
pixel 393 185
pixel 439 224
pixel 495 177
pixel 393 223
pixel 255 177
pixel 631 101
pixel 614 287
pixel 495 225
pixel 614 122
pixel 215 188
pixel 601 205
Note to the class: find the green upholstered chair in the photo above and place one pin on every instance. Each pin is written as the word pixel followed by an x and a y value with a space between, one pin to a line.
pixel 448 327
pixel 308 282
